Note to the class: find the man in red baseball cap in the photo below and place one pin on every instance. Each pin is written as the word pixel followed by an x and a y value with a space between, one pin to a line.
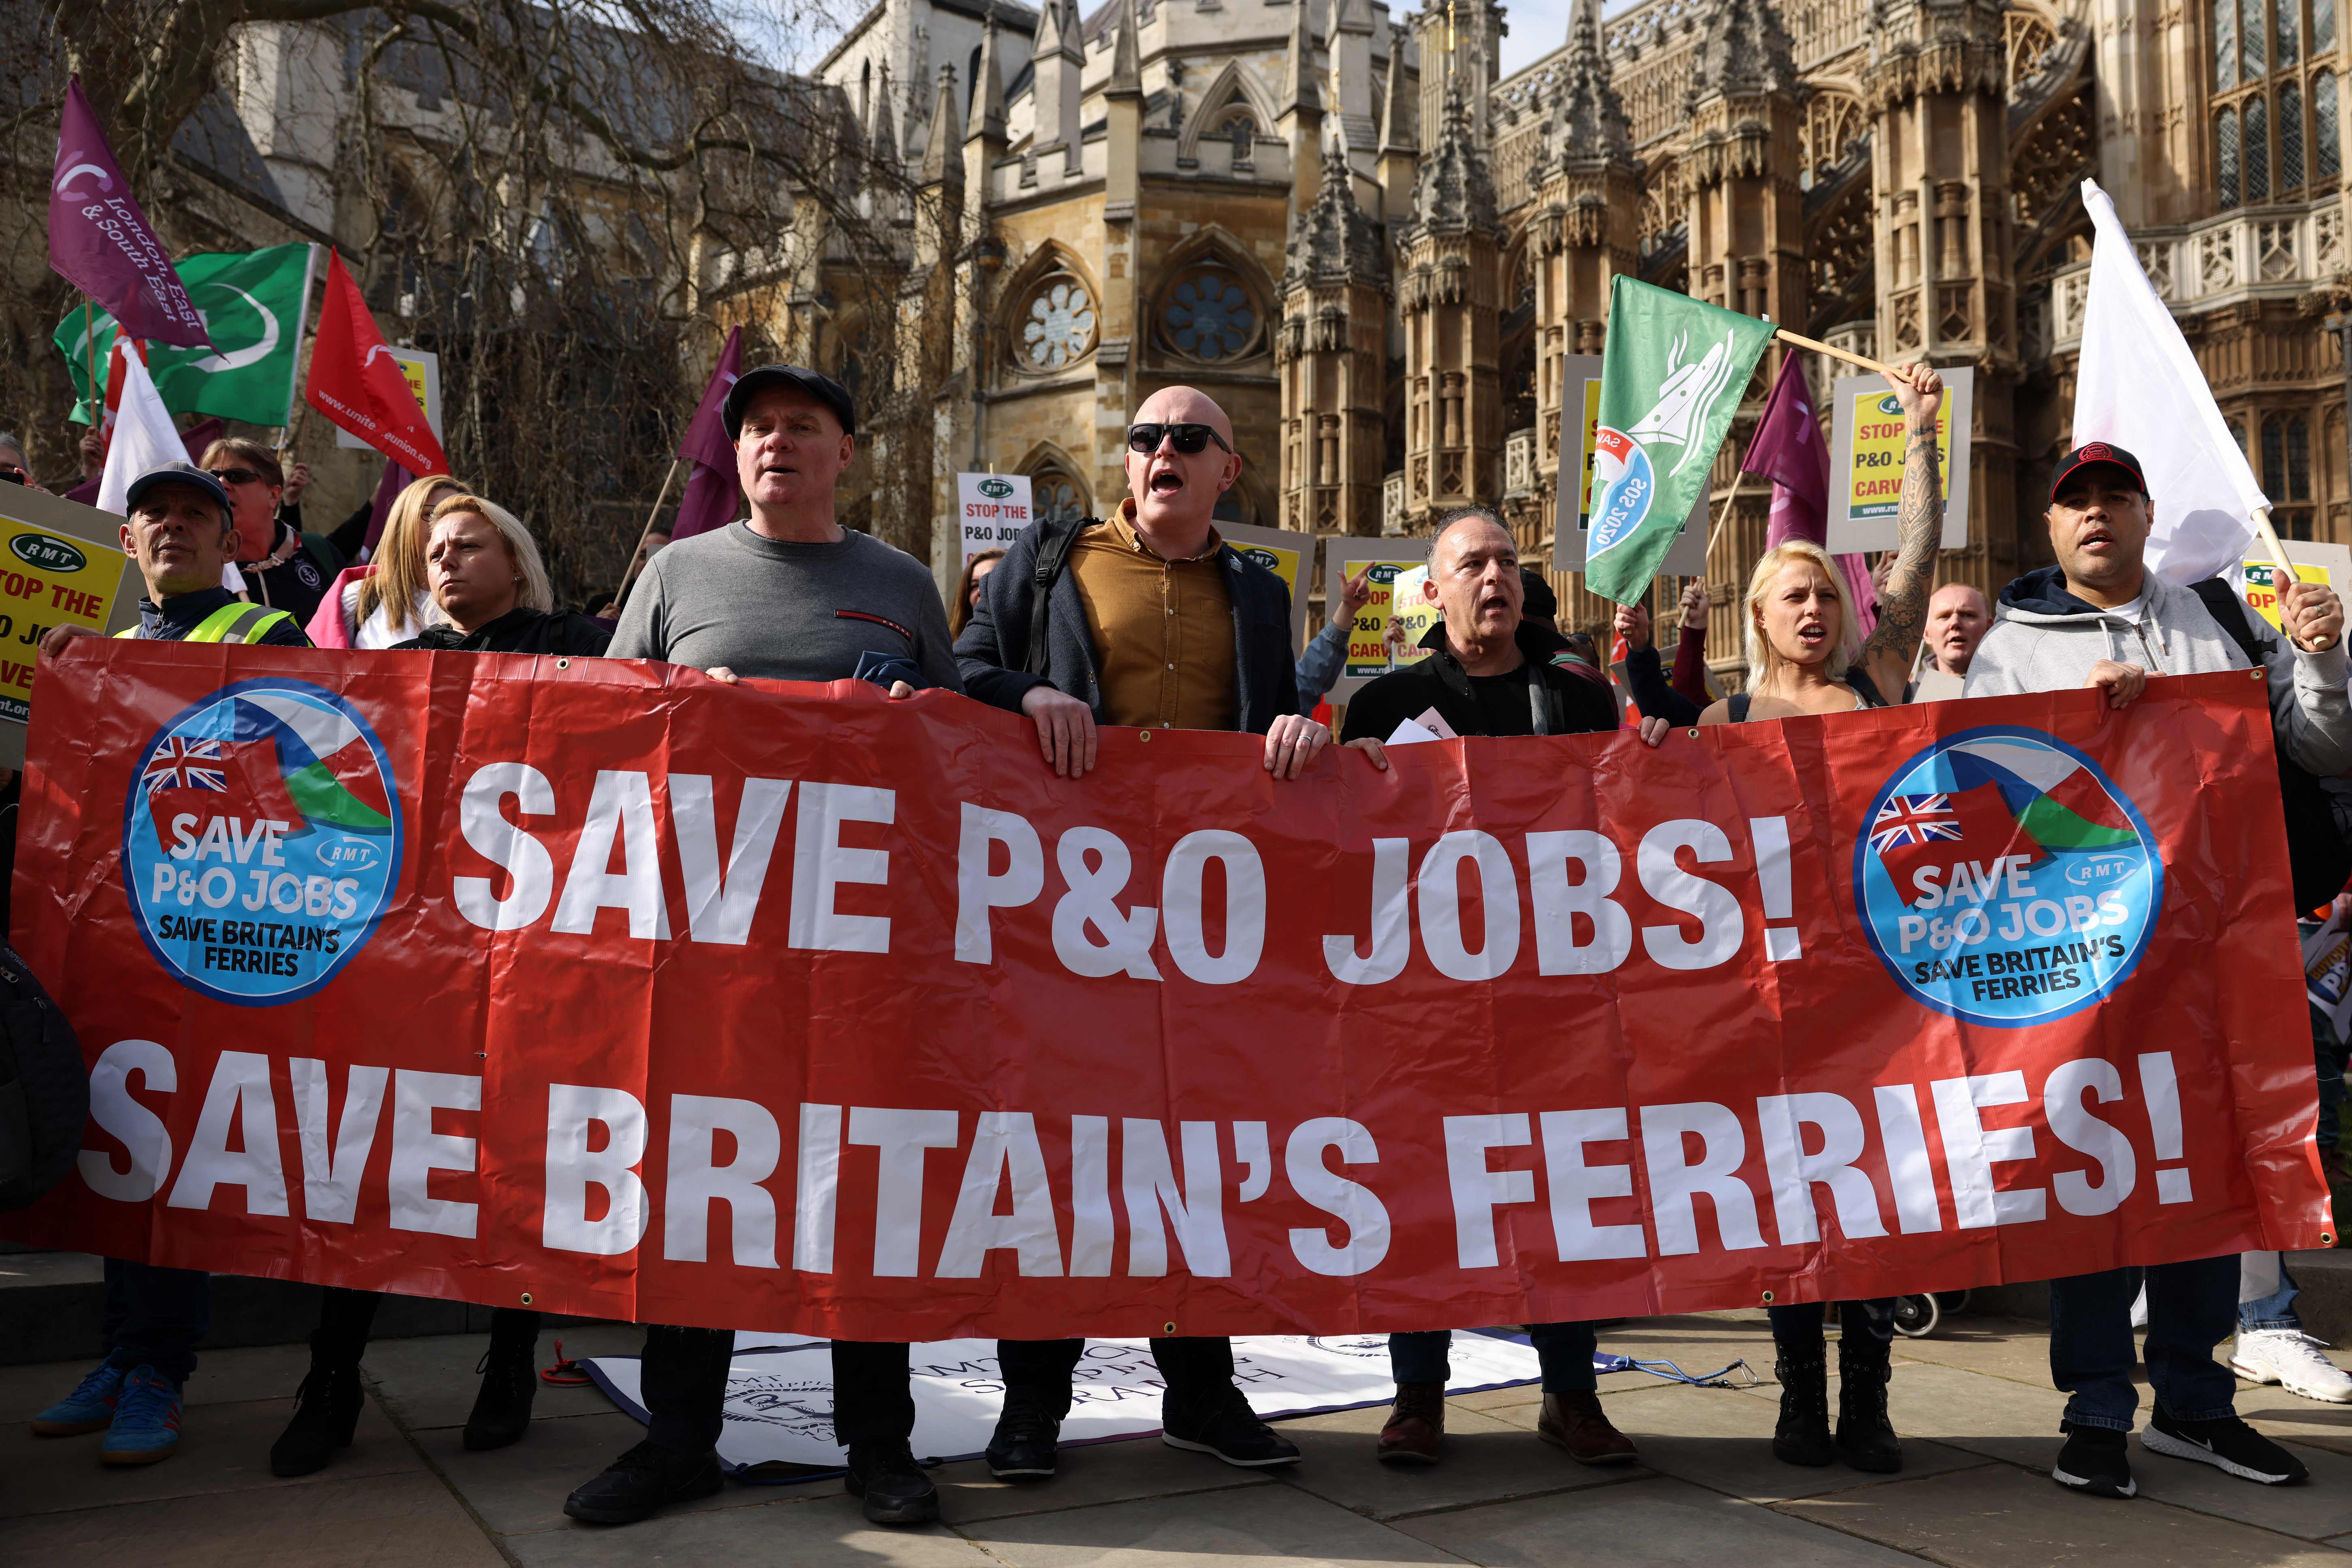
pixel 2101 619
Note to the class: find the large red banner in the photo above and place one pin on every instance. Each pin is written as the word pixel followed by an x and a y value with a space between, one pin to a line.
pixel 599 987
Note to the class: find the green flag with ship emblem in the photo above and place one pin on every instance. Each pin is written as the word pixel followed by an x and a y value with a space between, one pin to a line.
pixel 1672 376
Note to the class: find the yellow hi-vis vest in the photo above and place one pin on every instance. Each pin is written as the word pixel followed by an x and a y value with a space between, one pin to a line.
pixel 230 622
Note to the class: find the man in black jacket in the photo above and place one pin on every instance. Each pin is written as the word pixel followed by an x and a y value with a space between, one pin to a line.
pixel 1146 619
pixel 1489 672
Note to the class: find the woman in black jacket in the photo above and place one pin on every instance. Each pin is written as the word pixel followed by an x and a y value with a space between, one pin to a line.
pixel 486 574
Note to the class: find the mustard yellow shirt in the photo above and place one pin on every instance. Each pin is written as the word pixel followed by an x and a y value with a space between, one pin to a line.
pixel 1163 630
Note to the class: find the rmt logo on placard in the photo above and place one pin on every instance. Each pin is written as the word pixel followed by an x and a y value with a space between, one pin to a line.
pixel 2004 879
pixel 995 488
pixel 261 841
pixel 48 554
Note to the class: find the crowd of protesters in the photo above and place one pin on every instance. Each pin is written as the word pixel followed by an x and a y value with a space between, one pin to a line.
pixel 1146 618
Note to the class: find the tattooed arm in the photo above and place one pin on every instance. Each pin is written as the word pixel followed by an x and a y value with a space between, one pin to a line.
pixel 1919 525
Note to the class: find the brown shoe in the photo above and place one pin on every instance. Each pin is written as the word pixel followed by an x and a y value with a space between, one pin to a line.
pixel 1573 1421
pixel 1416 1428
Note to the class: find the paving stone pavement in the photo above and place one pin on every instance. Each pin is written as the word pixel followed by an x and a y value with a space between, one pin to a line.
pixel 1974 1405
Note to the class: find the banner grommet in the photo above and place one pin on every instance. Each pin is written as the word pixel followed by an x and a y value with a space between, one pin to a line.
pixel 1768 1297
pixel 526 1298
pixel 1167 1330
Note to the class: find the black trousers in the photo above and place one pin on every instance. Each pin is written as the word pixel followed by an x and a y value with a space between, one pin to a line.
pixel 683 1380
pixel 346 1318
pixel 1195 1371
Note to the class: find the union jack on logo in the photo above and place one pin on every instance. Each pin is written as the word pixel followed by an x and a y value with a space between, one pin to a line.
pixel 1914 819
pixel 180 763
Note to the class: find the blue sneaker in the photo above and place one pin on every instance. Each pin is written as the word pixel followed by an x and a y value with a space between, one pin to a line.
pixel 89 1408
pixel 146 1420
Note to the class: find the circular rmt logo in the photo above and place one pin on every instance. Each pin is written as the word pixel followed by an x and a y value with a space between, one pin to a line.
pixel 2004 878
pixel 261 842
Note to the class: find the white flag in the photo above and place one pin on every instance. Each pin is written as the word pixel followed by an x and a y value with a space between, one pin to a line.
pixel 144 436
pixel 2140 387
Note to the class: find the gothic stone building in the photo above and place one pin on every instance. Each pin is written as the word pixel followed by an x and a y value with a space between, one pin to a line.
pixel 1375 250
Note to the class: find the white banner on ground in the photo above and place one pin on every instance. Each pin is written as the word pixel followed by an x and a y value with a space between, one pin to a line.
pixel 994 507
pixel 780 1397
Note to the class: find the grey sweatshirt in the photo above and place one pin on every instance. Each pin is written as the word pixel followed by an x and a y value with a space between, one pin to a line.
pixel 779 611
pixel 2045 639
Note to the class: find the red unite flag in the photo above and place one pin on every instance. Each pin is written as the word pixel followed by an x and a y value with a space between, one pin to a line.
pixel 1971 827
pixel 356 383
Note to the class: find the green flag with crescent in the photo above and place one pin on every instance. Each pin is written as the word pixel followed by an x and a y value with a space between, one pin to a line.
pixel 1671 375
pixel 252 301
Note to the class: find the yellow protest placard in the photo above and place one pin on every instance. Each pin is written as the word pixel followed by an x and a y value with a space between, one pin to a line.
pixel 1289 556
pixel 59 562
pixel 1876 480
pixel 2262 587
pixel 1371 650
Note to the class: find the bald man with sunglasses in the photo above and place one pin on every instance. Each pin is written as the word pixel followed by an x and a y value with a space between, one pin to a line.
pixel 1144 619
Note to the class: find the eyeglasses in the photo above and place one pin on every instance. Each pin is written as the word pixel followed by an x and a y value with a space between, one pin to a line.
pixel 15 475
pixel 1189 439
pixel 235 476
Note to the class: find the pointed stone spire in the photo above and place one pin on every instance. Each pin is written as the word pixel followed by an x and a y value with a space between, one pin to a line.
pixel 942 164
pixel 1587 125
pixel 1126 58
pixel 987 119
pixel 1396 113
pixel 1334 241
pixel 1455 192
pixel 1303 89
pixel 1351 47
pixel 1054 90
pixel 882 135
pixel 1745 52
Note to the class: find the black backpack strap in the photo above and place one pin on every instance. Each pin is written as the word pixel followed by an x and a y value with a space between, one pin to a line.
pixel 1866 689
pixel 1053 542
pixel 2229 613
pixel 1738 701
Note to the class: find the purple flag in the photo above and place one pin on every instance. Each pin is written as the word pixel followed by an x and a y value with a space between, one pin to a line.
pixel 712 495
pixel 1787 448
pixel 387 490
pixel 101 243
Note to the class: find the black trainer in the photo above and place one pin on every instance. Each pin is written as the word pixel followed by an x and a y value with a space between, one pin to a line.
pixel 1228 1429
pixel 1026 1443
pixel 643 1481
pixel 2226 1444
pixel 895 1487
pixel 2094 1460
pixel 501 1412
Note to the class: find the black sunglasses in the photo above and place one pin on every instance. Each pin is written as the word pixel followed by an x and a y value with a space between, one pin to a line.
pixel 1189 439
pixel 235 476
pixel 14 476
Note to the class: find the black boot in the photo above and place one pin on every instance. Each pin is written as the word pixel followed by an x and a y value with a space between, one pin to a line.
pixel 1865 1439
pixel 1802 1437
pixel 326 1409
pixel 502 1409
pixel 894 1490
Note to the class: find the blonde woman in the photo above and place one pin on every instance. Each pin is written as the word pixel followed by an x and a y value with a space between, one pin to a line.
pixel 1804 657
pixel 386 602
pixel 491 588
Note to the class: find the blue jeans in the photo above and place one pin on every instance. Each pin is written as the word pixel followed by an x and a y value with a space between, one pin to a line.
pixel 2272 1311
pixel 1564 1350
pixel 2191 1308
pixel 153 1317
pixel 1797 1326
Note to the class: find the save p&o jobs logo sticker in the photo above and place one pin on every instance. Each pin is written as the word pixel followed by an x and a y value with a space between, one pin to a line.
pixel 261 841
pixel 2004 879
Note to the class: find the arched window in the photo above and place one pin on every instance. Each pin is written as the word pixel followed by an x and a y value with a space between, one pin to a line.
pixel 2326 149
pixel 2289 136
pixel 2286 458
pixel 1056 324
pixel 1209 315
pixel 2257 152
pixel 1056 497
pixel 2254 40
pixel 2225 156
pixel 2225 46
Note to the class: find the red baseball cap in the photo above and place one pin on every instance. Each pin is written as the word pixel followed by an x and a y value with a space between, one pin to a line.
pixel 2099 454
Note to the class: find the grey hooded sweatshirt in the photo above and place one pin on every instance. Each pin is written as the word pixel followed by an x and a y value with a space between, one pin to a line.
pixel 2046 639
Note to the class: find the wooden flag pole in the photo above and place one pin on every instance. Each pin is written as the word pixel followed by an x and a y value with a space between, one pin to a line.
pixel 2277 552
pixel 630 574
pixel 1723 513
pixel 1818 347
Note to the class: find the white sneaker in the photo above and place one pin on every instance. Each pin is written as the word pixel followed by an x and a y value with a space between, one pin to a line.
pixel 2292 1360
